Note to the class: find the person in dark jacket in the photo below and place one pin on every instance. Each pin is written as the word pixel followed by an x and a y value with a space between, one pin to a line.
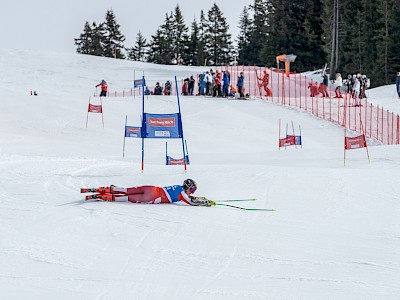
pixel 167 88
pixel 158 90
pixel 398 84
pixel 240 84
pixel 191 85
pixel 324 86
pixel 185 87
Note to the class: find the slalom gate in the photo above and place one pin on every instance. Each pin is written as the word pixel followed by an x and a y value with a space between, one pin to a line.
pixel 354 141
pixel 95 108
pixel 289 139
pixel 169 160
pixel 130 132
pixel 157 126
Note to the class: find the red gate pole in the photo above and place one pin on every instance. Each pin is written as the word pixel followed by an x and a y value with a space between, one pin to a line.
pixel 366 147
pixel 279 135
pixel 382 125
pixel 248 92
pixel 87 114
pixel 398 129
pixel 278 86
pixel 387 117
pixel 288 78
pixel 272 90
pixel 295 90
pixel 370 122
pixel 349 114
pixel 377 123
pixel 392 126
pixel 283 89
pixel 300 91
pixel 102 118
pixel 365 115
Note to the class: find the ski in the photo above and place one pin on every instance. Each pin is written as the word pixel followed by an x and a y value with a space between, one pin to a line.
pixel 100 197
pixel 100 190
pixel 246 208
pixel 234 200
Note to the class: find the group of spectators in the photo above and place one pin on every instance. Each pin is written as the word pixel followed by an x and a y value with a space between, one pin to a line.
pixel 218 84
pixel 159 90
pixel 210 83
pixel 355 86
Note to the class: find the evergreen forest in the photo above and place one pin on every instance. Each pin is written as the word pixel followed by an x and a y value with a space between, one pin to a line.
pixel 349 36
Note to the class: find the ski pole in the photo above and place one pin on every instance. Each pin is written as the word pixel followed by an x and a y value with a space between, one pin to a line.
pixel 234 200
pixel 246 208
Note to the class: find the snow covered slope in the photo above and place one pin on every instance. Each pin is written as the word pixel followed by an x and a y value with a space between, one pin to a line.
pixel 334 234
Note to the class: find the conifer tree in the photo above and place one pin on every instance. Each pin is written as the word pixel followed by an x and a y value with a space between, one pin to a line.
pixel 203 54
pixel 393 24
pixel 179 34
pixel 114 39
pixel 259 33
pixel 167 30
pixel 295 28
pixel 245 24
pixel 138 52
pixel 155 50
pixel 191 56
pixel 97 39
pixel 161 49
pixel 84 42
pixel 218 40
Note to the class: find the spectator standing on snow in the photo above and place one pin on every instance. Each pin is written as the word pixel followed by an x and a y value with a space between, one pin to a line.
pixel 324 86
pixel 167 88
pixel 191 85
pixel 357 89
pixel 225 80
pixel 398 84
pixel 240 84
pixel 263 83
pixel 200 84
pixel 217 91
pixel 349 84
pixel 104 88
pixel 185 87
pixel 338 85
pixel 208 79
pixel 158 90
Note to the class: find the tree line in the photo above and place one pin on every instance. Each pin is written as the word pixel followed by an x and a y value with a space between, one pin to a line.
pixel 359 36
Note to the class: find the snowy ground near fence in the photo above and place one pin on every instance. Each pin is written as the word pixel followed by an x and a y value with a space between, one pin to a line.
pixel 334 234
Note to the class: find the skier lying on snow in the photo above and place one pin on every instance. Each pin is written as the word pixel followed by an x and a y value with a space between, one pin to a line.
pixel 150 194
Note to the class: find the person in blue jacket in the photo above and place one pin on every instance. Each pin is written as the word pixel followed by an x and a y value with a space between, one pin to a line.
pixel 226 81
pixel 398 84
pixel 240 84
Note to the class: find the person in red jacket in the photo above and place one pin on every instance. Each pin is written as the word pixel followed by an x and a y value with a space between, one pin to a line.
pixel 104 88
pixel 263 83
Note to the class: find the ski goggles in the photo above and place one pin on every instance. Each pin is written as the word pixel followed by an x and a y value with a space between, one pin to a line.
pixel 192 189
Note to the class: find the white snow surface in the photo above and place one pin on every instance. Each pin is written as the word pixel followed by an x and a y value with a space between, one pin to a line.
pixel 335 233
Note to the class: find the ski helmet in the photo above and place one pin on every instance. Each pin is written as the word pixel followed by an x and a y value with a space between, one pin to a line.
pixel 189 185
